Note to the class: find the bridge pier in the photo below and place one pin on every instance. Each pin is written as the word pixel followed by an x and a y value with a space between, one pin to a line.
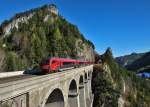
pixel 73 99
pixel 89 98
pixel 86 92
pixel 82 96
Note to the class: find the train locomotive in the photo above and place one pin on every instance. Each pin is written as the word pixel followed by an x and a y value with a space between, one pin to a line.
pixel 53 64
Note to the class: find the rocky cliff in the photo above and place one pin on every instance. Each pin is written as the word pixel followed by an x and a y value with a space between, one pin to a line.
pixel 30 36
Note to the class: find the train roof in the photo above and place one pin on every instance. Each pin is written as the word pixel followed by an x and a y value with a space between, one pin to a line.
pixel 65 59
pixel 62 59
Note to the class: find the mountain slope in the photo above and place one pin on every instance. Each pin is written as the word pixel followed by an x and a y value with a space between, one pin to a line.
pixel 114 86
pixel 128 59
pixel 30 36
pixel 141 64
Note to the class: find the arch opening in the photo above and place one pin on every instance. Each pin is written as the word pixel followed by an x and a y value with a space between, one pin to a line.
pixel 73 86
pixel 85 76
pixel 89 75
pixel 81 80
pixel 73 95
pixel 55 99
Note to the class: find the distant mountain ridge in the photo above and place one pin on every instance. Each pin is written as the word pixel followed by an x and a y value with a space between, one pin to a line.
pixel 128 59
pixel 141 65
pixel 138 62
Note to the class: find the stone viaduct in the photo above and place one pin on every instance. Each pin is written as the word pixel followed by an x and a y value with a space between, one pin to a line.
pixel 71 88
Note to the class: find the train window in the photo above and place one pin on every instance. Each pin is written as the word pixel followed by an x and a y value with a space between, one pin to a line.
pixel 67 63
pixel 81 63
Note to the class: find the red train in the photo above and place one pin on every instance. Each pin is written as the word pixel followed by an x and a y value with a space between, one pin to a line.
pixel 55 64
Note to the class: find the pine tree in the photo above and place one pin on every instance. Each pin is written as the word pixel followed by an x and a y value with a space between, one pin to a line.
pixel 11 61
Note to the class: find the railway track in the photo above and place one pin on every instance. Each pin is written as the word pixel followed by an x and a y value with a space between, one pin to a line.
pixel 21 77
pixel 14 78
pixel 26 76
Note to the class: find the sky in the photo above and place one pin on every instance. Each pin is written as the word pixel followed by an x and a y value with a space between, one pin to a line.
pixel 123 25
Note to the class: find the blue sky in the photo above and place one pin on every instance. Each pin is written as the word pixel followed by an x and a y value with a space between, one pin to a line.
pixel 123 25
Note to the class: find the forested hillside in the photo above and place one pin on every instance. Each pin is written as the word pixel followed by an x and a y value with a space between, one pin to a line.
pixel 142 64
pixel 128 59
pixel 114 86
pixel 30 36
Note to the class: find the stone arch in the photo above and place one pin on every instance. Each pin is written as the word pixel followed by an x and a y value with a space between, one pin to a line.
pixel 86 85
pixel 72 94
pixel 55 99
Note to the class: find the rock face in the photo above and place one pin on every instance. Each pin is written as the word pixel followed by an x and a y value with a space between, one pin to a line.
pixel 53 9
pixel 103 87
pixel 7 29
pixel 30 36
pixel 24 19
pixel 84 51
